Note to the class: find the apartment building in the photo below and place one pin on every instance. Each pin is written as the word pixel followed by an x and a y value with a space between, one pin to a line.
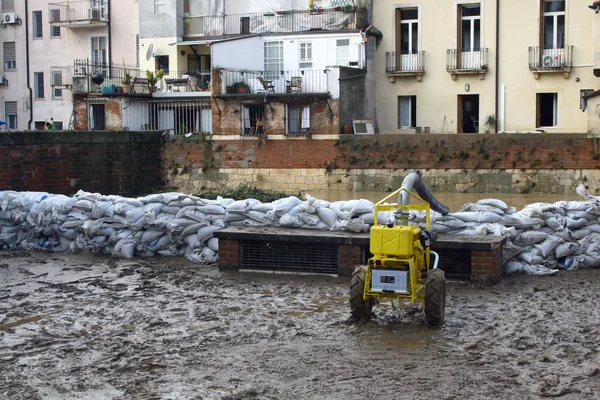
pixel 48 40
pixel 450 66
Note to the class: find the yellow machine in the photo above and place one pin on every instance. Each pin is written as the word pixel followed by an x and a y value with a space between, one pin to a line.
pixel 401 255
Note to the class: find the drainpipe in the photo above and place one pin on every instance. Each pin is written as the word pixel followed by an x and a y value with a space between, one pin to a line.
pixel 497 61
pixel 109 36
pixel 28 67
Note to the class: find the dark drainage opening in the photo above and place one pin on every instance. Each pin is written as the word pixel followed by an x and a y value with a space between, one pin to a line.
pixel 289 257
pixel 455 263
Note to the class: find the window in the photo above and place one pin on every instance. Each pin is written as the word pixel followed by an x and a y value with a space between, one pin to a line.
pixel 162 62
pixel 408 31
pixel 298 119
pixel 58 125
pixel 583 102
pixel 54 17
pixel 57 80
pixel 37 25
pixel 97 117
pixel 470 30
pixel 98 52
pixel 253 119
pixel 305 56
pixel 553 30
pixel 39 125
pixel 407 112
pixel 38 82
pixel 160 6
pixel 273 59
pixel 10 110
pixel 547 110
pixel 8 5
pixel 342 52
pixel 10 56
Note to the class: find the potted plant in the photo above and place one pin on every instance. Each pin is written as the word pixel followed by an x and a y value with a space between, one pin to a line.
pixel 490 123
pixel 240 87
pixel 154 78
pixel 126 82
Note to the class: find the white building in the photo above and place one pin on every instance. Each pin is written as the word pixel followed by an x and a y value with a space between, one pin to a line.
pixel 39 51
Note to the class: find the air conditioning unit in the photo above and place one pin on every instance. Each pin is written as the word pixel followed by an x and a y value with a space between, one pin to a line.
pixel 10 18
pixel 95 14
pixel 1 79
pixel 551 62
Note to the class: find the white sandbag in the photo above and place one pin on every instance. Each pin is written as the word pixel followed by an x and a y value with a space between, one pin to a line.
pixel 530 258
pixel 564 249
pixel 575 223
pixel 263 208
pixel 580 214
pixel 212 209
pixel 470 207
pixel 530 237
pixel 520 266
pixel 84 205
pixel 557 223
pixel 320 226
pixel 453 223
pixel 309 219
pixel 580 234
pixel 363 206
pixel 521 221
pixel 190 229
pixel 441 228
pixel 207 232
pixel 290 221
pixel 594 227
pixel 548 245
pixel 125 248
pixel 590 262
pixel 191 240
pixel 103 209
pixel 159 243
pixel 213 244
pixel 258 216
pixel 356 225
pixel 494 203
pixel 233 216
pixel 91 227
pixel 327 215
pixel 349 205
pixel 203 256
pixel 570 263
pixel 149 236
pixel 238 206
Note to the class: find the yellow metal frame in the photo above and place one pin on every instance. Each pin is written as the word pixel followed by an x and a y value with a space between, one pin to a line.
pixel 417 286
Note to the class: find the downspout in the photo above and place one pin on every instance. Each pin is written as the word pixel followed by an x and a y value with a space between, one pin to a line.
pixel 28 67
pixel 108 25
pixel 497 62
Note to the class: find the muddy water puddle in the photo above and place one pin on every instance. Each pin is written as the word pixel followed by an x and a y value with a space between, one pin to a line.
pixel 95 327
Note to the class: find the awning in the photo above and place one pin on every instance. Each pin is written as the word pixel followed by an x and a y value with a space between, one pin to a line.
pixel 192 43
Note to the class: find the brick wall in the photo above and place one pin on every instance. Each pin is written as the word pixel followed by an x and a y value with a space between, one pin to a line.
pixel 124 163
pixel 486 264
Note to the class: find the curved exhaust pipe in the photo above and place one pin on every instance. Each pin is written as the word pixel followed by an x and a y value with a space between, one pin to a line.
pixel 413 181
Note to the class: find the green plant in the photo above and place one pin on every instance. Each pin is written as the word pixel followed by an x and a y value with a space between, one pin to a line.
pixel 154 78
pixel 240 87
pixel 490 123
pixel 126 75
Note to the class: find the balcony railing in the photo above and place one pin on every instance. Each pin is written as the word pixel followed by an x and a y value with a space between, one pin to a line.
pixel 275 22
pixel 273 82
pixel 398 64
pixel 467 61
pixel 79 13
pixel 185 81
pixel 550 60
pixel 103 78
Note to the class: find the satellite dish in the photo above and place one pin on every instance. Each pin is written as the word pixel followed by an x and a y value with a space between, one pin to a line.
pixel 150 52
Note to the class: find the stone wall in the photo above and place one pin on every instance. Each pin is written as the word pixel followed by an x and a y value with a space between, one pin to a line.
pixel 123 163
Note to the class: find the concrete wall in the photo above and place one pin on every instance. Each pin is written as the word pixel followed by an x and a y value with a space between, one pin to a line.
pixel 124 163
pixel 161 25
pixel 437 103
pixel 354 103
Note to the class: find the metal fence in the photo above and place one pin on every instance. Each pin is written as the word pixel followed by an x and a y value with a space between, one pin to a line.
pixel 274 22
pixel 476 59
pixel 397 62
pixel 265 82
pixel 549 59
pixel 180 117
pixel 78 11
pixel 102 76
pixel 195 81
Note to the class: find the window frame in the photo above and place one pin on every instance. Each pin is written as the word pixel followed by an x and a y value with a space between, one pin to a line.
pixel 162 4
pixel 57 92
pixel 412 99
pixel 12 120
pixel 539 110
pixel 555 15
pixel 13 63
pixel 339 60
pixel 37 26
pixel 8 8
pixel 270 73
pixel 55 31
pixel 304 61
pixel 582 101
pixel 101 64
pixel 301 108
pixel 92 120
pixel 472 20
pixel 39 91
pixel 246 123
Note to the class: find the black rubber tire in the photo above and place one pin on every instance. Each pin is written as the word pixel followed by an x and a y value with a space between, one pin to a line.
pixel 360 308
pixel 435 297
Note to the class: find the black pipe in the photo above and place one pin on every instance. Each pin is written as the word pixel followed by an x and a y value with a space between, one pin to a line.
pixel 28 69
pixel 497 61
pixel 109 37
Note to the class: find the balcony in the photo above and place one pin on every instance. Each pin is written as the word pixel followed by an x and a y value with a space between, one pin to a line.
pixel 556 60
pixel 398 65
pixel 467 62
pixel 78 14
pixel 275 22
pixel 91 77
pixel 290 82
pixel 187 81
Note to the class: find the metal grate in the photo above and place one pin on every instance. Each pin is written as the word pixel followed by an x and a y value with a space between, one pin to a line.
pixel 289 257
pixel 455 263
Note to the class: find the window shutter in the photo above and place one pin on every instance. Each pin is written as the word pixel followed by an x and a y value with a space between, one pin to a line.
pixel 9 51
pixel 57 78
pixel 8 5
pixel 10 107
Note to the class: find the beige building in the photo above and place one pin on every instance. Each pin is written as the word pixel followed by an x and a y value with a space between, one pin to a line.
pixel 450 65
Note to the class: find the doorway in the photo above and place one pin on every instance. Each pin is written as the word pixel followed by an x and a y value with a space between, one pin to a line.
pixel 468 113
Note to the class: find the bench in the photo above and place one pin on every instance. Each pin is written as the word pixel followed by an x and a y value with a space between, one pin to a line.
pixel 338 252
pixel 143 82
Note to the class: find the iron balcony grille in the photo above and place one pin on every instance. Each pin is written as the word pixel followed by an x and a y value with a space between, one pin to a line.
pixel 78 11
pixel 541 59
pixel 467 60
pixel 289 257
pixel 405 63
pixel 274 82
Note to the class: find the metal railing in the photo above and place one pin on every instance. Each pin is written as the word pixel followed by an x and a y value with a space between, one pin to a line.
pixel 102 76
pixel 179 117
pixel 273 22
pixel 409 63
pixel 78 11
pixel 462 60
pixel 196 81
pixel 550 59
pixel 266 82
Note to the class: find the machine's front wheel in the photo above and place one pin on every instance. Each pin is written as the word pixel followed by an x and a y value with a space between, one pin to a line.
pixel 360 308
pixel 435 297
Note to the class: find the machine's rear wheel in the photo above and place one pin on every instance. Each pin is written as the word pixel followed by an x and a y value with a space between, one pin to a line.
pixel 360 308
pixel 435 297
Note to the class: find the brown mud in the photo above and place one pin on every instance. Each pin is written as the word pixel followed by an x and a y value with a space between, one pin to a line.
pixel 81 326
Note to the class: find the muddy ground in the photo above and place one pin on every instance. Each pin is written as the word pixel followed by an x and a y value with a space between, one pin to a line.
pixel 83 326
